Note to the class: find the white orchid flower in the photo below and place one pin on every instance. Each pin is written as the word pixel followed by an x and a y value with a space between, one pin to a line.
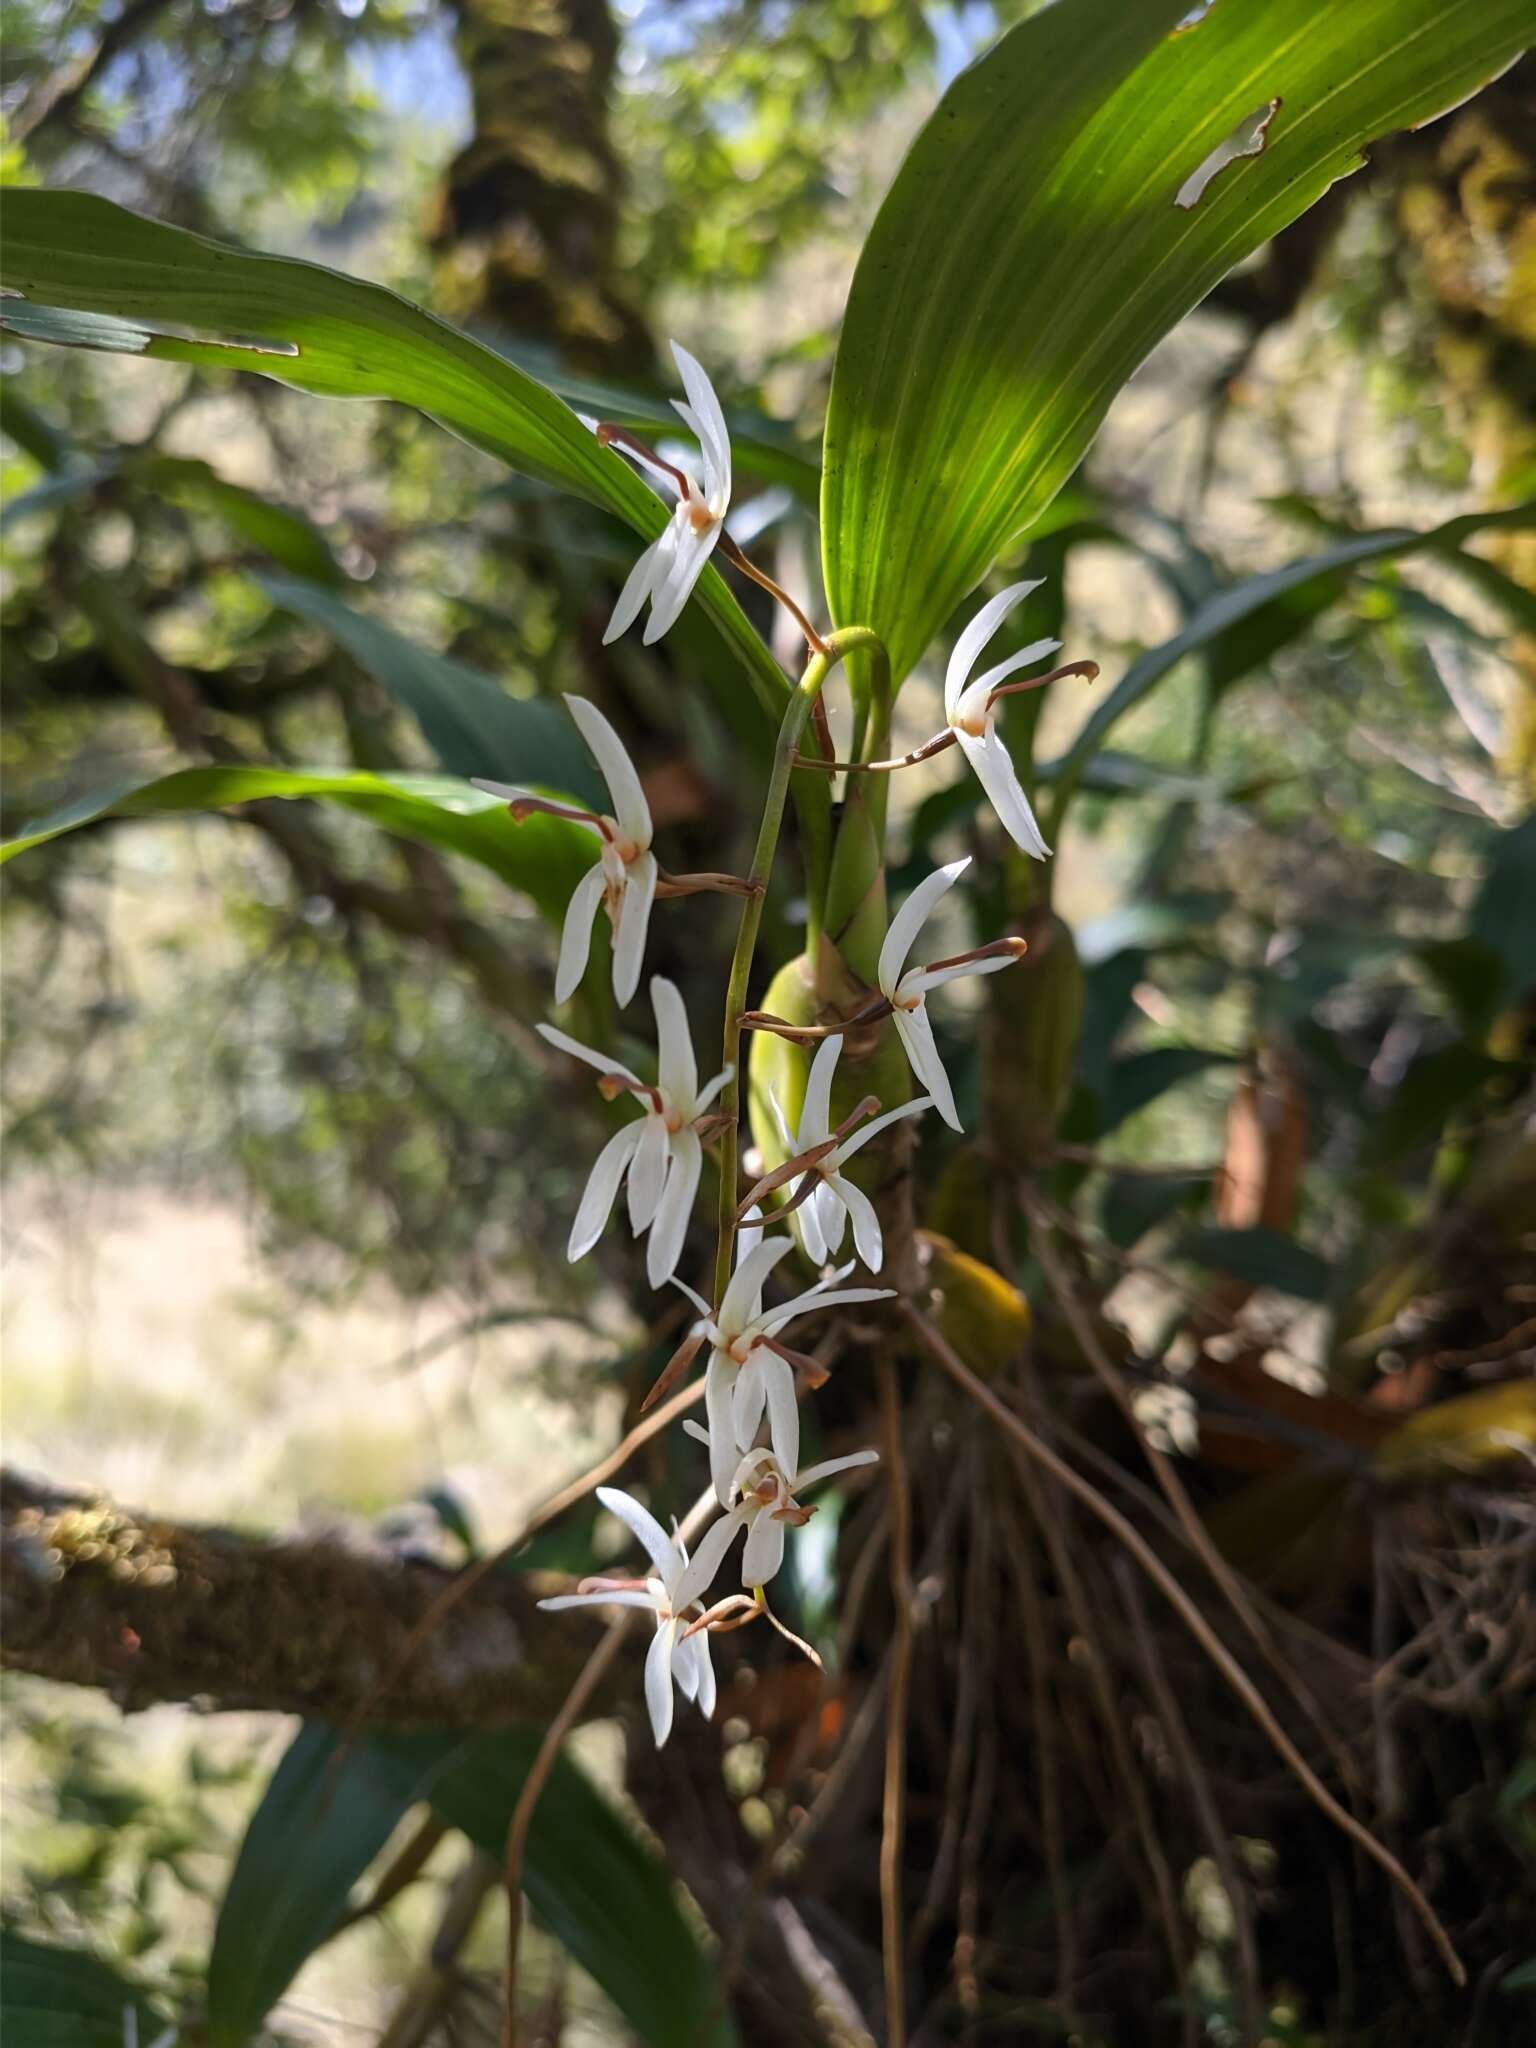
pixel 834 1200
pixel 661 1154
pixel 763 1493
pixel 970 710
pixel 670 567
pixel 677 1584
pixel 905 988
pixel 749 1369
pixel 623 878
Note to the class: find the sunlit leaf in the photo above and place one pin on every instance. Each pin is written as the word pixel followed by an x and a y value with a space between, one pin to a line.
pixel 544 857
pixel 1032 251
pixel 93 275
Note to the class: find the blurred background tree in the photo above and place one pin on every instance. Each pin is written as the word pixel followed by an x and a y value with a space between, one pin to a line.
pixel 274 1106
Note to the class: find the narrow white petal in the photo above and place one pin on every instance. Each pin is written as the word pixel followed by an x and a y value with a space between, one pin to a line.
pixel 831 1465
pixel 646 1530
pixel 648 1174
pixel 637 588
pixel 748 1398
pixel 865 1132
pixel 807 1224
pixel 764 1551
pixel 867 1239
pixel 576 933
pixel 909 921
pixel 634 921
pixel 630 809
pixel 711 1089
pixel 719 1385
pixel 658 1681
pixel 916 1035
pixel 821 1296
pixel 697 1299
pixel 999 778
pixel 578 1051
pixel 1035 651
pixel 783 1410
pixel 676 1068
pixel 693 551
pixel 601 1191
pixel 707 1692
pixel 711 485
pixel 749 1233
pixel 834 1217
pixel 746 1286
pixel 816 1114
pixel 685 1667
pixel 618 1599
pixel 976 635
pixel 704 1565
pixel 921 979
pixel 670 1228
pixel 713 436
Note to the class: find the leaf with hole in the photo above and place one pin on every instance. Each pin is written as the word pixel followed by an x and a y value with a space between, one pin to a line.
pixel 1032 250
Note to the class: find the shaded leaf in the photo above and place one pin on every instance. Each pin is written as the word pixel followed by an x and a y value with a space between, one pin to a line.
pixel 1144 1076
pixel 1214 624
pixel 1265 1258
pixel 590 1880
pixel 54 1997
pixel 544 857
pixel 471 723
pixel 317 1828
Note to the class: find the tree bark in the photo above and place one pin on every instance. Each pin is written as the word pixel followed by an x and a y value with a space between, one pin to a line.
pixel 150 1610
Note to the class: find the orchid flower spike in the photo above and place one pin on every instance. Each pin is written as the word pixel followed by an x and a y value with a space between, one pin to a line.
pixel 969 708
pixel 670 567
pixel 819 1221
pixel 748 1368
pixel 763 1492
pixel 905 988
pixel 623 878
pixel 676 1584
pixel 662 1153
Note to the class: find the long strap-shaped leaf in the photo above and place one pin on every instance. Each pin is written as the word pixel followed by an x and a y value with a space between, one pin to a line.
pixel 1033 249
pixel 136 286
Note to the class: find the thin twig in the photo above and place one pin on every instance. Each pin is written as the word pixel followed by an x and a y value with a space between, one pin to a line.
pixel 1173 1488
pixel 1239 1893
pixel 893 1806
pixel 1198 1626
pixel 465 1583
pixel 528 1799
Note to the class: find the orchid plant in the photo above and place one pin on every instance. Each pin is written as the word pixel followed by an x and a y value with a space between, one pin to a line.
pixel 753 1380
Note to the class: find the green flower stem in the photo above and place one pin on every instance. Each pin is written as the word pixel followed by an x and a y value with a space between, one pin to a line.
pixel 797 712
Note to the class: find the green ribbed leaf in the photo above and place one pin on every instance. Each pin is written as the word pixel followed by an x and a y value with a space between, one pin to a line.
pixel 1032 251
pixel 544 857
pixel 94 275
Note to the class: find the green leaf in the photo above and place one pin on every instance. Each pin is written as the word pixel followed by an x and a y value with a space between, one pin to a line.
pixel 316 1830
pixel 1253 618
pixel 1502 917
pixel 1032 251
pixel 1264 1257
pixel 471 723
pixel 1435 1086
pixel 590 1880
pixel 544 857
pixel 287 536
pixel 94 275
pixel 66 1998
